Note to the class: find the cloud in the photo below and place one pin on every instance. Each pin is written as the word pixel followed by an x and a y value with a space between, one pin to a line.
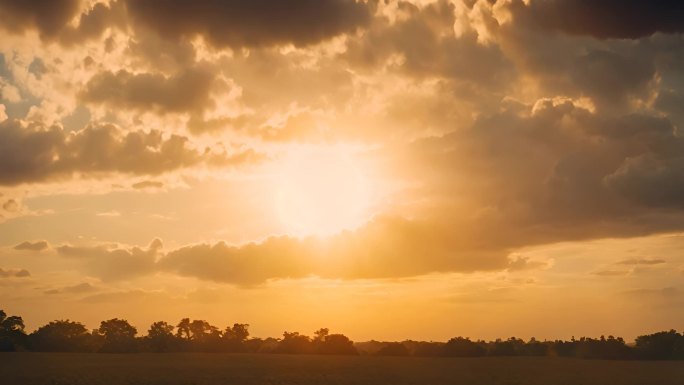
pixel 11 205
pixel 14 273
pixel 535 174
pixel 249 23
pixel 234 24
pixel 109 214
pixel 612 273
pixel 515 135
pixel 549 173
pixel 127 297
pixel 198 95
pixel 65 21
pixel 183 92
pixel 619 19
pixel 34 153
pixel 612 78
pixel 114 263
pixel 425 40
pixel 147 184
pixel 32 246
pixel 48 17
pixel 519 263
pixel 384 248
pixel 80 288
pixel 654 178
pixel 642 261
pixel 93 22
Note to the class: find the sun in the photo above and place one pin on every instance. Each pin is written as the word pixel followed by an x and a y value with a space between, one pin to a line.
pixel 321 191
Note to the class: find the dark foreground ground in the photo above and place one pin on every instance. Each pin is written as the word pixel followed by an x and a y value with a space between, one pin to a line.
pixel 211 369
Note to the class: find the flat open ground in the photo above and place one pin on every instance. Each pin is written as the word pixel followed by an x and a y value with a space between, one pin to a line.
pixel 211 369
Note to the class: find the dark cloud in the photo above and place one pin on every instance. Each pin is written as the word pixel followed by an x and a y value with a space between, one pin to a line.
pixel 555 173
pixel 611 78
pixel 54 19
pixel 191 91
pixel 250 23
pixel 614 76
pixel 14 273
pixel 153 52
pixel 11 205
pixel 48 17
pixel 620 19
pixel 37 154
pixel 184 92
pixel 32 246
pixel 652 179
pixel 94 22
pixel 243 23
pixel 425 40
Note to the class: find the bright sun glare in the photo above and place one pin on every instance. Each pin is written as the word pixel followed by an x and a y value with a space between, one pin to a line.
pixel 321 192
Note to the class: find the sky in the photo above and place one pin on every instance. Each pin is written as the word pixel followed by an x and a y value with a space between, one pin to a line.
pixel 386 169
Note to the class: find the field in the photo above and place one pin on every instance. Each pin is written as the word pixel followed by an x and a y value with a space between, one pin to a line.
pixel 214 369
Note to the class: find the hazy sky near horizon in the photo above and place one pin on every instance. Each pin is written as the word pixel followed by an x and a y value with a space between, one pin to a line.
pixel 386 169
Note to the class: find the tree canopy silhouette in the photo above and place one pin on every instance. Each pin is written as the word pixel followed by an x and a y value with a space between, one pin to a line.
pixel 12 333
pixel 119 336
pixel 63 336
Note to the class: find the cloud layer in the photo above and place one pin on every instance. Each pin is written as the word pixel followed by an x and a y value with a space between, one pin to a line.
pixel 626 19
pixel 499 125
pixel 35 153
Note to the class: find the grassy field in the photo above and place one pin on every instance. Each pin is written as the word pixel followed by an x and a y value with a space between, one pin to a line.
pixel 214 369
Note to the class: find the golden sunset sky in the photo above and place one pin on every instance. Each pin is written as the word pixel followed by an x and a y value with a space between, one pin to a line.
pixel 386 169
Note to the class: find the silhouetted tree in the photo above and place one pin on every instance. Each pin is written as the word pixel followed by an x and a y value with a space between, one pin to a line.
pixel 334 344
pixel 463 347
pixel 12 335
pixel 601 348
pixel 119 336
pixel 535 348
pixel 235 337
pixel 160 337
pixel 562 348
pixel 204 336
pixel 268 345
pixel 510 347
pixel 62 336
pixel 257 345
pixel 393 349
pixel 320 334
pixel 294 343
pixel 238 332
pixel 426 349
pixel 660 346
pixel 183 329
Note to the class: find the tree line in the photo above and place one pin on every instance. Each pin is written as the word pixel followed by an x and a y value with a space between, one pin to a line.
pixel 119 336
